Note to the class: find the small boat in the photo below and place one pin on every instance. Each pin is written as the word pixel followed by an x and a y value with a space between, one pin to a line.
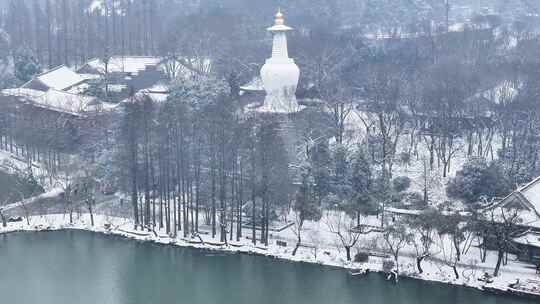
pixel 486 278
pixel 15 219
pixel 499 290
pixel 213 254
pixel 218 254
pixel 529 288
pixel 358 272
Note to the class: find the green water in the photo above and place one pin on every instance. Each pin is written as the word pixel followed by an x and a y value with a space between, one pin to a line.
pixel 82 267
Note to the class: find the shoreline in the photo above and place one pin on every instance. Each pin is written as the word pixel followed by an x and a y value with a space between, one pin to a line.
pixel 118 228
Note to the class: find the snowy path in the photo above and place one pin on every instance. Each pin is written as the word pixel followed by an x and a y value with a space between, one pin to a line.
pixel 49 194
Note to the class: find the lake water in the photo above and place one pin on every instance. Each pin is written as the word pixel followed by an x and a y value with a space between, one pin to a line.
pixel 86 268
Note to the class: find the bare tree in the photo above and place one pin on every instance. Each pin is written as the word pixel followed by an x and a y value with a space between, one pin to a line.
pixel 346 230
pixel 383 95
pixel 305 208
pixel 424 229
pixel 87 185
pixel 454 238
pixel 448 254
pixel 503 225
pixel 4 220
pixel 396 236
pixel 65 179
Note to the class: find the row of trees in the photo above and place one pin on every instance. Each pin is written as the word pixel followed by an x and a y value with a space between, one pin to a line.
pixel 192 159
pixel 71 32
pixel 447 237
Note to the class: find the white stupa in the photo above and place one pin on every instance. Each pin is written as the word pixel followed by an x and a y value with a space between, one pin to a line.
pixel 280 74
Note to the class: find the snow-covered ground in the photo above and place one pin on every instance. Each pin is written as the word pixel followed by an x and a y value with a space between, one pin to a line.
pixel 55 192
pixel 325 250
pixel 12 164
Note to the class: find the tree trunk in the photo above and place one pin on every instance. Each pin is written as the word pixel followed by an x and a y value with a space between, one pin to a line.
pixel 240 203
pixel 455 271
pixel 298 242
pixel 253 198
pixel 456 246
pixel 213 186
pixel 4 221
pixel 299 239
pixel 49 34
pixel 348 251
pixel 70 214
pixel 419 264
pixel 500 255
pixel 91 213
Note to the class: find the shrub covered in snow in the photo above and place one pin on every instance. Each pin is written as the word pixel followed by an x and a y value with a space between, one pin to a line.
pixel 401 183
pixel 388 266
pixel 404 158
pixel 409 200
pixel 361 257
pixel 478 178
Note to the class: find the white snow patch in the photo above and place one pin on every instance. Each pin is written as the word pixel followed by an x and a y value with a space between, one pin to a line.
pixel 60 78
pixel 120 64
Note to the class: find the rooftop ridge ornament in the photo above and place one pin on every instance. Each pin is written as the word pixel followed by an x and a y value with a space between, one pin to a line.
pixel 280 74
pixel 279 23
pixel 280 20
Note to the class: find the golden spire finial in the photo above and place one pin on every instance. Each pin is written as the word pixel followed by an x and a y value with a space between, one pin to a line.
pixel 280 20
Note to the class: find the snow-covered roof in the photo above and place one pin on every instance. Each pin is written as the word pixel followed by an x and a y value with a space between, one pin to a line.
pixel 59 78
pixel 528 196
pixel 531 192
pixel 23 92
pixel 419 212
pixel 89 76
pixel 403 211
pixel 96 5
pixel 255 84
pixel 280 28
pixel 525 217
pixel 58 101
pixel 117 87
pixel 78 89
pixel 158 97
pixel 158 93
pixel 457 27
pixel 529 238
pixel 502 92
pixel 185 68
pixel 123 64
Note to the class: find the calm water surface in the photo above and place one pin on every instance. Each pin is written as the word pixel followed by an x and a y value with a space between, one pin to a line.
pixel 71 267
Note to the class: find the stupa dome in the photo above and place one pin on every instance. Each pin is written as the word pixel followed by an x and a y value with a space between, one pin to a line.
pixel 280 75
